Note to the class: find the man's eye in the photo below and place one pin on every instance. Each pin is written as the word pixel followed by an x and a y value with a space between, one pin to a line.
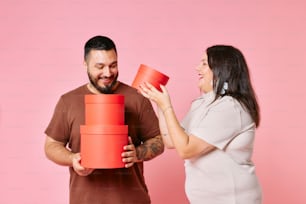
pixel 114 66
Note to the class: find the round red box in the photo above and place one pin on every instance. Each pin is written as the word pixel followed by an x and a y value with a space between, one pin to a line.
pixel 102 146
pixel 148 74
pixel 104 109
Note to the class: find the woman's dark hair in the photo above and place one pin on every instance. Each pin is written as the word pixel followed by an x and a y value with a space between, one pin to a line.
pixel 99 43
pixel 229 66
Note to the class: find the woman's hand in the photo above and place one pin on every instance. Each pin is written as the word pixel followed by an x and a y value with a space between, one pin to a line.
pixel 162 99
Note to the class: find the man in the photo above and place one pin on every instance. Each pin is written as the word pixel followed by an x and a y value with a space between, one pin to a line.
pixel 62 145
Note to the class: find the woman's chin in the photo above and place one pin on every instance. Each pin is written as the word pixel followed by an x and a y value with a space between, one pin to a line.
pixel 200 86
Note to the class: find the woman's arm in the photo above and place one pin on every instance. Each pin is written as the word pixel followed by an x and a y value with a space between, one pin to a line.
pixel 186 145
pixel 164 130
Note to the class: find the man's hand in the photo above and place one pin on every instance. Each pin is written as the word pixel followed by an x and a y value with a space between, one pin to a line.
pixel 78 168
pixel 129 156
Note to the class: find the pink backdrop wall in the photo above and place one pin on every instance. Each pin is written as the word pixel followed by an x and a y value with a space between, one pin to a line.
pixel 41 48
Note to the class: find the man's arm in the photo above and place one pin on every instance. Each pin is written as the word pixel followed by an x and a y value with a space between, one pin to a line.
pixel 150 148
pixel 57 152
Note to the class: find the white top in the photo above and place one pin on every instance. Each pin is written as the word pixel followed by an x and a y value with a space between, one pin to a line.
pixel 227 174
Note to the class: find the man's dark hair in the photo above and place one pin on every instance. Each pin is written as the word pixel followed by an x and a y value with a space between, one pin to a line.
pixel 99 43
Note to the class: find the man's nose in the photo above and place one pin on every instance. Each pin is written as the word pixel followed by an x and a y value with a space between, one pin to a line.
pixel 106 71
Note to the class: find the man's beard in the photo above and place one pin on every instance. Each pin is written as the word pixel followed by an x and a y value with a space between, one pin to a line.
pixel 108 89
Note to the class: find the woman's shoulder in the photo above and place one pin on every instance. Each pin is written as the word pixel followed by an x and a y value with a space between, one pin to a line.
pixel 226 102
pixel 230 104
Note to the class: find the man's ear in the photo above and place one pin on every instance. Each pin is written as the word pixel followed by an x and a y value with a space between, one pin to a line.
pixel 85 64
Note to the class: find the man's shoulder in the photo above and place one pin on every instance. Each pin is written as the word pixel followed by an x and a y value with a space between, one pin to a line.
pixel 81 90
pixel 129 92
pixel 125 87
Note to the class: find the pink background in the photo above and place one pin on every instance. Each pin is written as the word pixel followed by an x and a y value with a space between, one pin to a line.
pixel 41 45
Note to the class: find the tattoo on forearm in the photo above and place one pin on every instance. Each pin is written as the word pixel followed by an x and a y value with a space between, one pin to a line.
pixel 150 149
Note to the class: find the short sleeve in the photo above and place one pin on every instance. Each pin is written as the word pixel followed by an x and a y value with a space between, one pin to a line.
pixel 220 125
pixel 148 120
pixel 58 127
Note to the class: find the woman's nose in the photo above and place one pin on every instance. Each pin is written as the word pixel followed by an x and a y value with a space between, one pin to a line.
pixel 197 68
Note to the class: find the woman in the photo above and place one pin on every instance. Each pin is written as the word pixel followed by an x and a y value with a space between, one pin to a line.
pixel 216 136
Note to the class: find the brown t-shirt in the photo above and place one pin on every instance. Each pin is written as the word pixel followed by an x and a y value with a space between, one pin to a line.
pixel 115 186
